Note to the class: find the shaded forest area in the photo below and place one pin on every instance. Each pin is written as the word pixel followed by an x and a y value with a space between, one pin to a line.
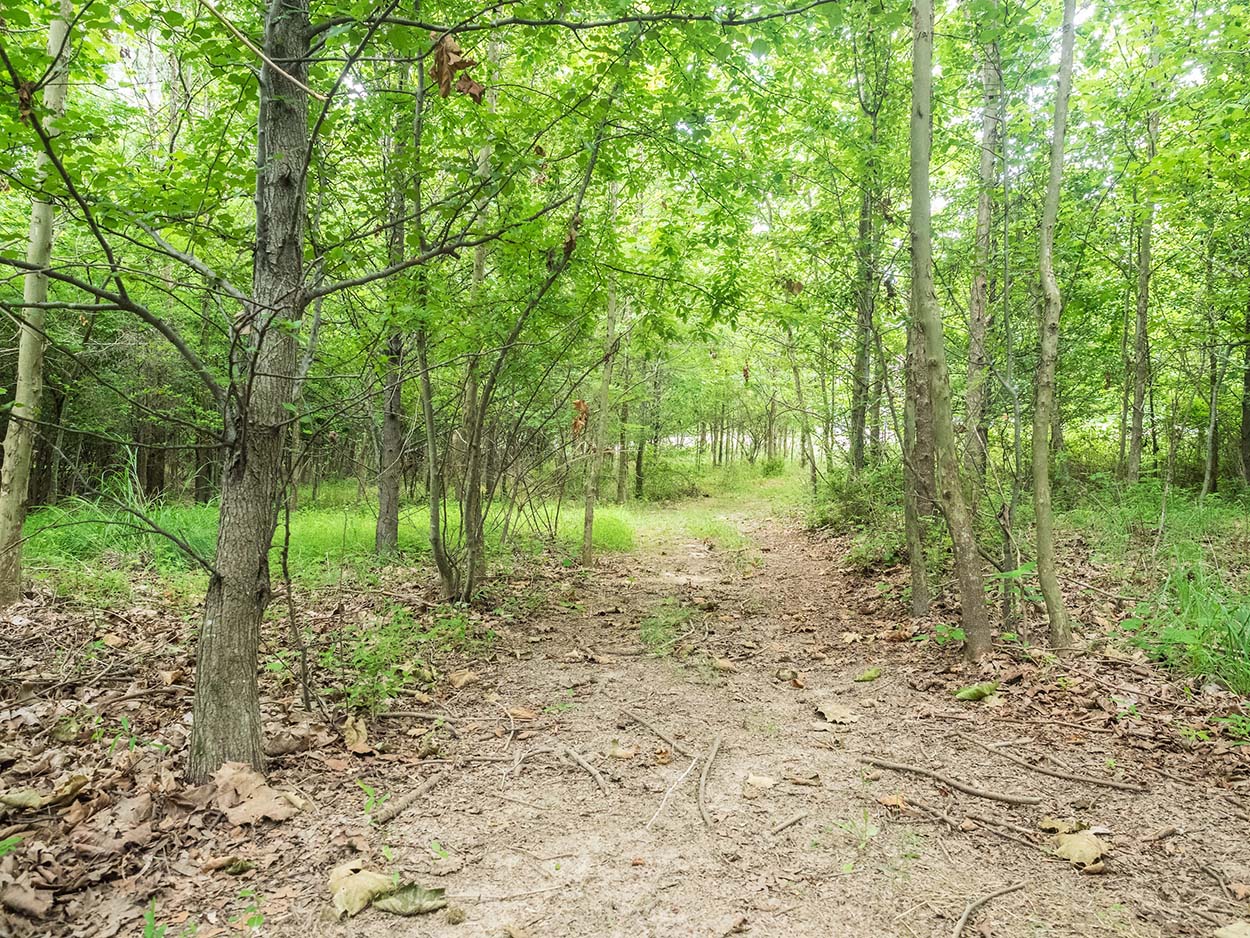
pixel 342 339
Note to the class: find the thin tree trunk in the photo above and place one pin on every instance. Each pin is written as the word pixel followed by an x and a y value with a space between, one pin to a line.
pixel 1048 356
pixel 226 716
pixel 598 434
pixel 1141 342
pixel 19 438
pixel 1245 396
pixel 979 301
pixel 913 485
pixel 622 447
pixel 976 624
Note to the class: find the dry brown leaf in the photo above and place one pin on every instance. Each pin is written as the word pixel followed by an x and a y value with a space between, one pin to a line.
pixel 834 712
pixel 1082 849
pixel 723 665
pixel 21 898
pixel 523 713
pixel 893 801
pixel 352 888
pixel 356 736
pixel 242 795
pixel 1240 891
pixel 617 751
pixel 463 678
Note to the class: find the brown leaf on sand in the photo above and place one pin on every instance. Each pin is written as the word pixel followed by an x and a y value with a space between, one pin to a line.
pixel 242 795
pixel 353 888
pixel 1082 849
pixel 1240 891
pixel 834 712
pixel 459 679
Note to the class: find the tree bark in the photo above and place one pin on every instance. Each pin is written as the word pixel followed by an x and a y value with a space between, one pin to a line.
pixel 1048 356
pixel 19 438
pixel 1245 397
pixel 913 485
pixel 226 718
pixel 1141 341
pixel 622 447
pixel 979 301
pixel 598 433
pixel 927 316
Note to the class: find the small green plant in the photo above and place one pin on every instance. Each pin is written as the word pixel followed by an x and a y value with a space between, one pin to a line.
pixel 251 917
pixel 439 850
pixel 658 631
pixel 861 830
pixel 373 800
pixel 150 928
pixel 8 845
pixel 1236 726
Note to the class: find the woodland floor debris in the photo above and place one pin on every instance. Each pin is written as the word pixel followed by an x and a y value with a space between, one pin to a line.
pixel 606 836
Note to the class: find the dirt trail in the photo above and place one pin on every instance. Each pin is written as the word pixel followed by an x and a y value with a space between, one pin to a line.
pixel 744 643
pixel 542 851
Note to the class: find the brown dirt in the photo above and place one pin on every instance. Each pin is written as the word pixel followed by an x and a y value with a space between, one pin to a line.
pixel 529 845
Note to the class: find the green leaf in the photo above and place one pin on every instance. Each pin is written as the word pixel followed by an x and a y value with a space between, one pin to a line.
pixel 870 675
pixel 411 899
pixel 977 691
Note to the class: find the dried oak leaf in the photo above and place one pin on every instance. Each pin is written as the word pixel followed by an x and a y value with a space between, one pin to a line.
pixel 449 58
pixel 242 795
pixel 1082 849
pixel 352 889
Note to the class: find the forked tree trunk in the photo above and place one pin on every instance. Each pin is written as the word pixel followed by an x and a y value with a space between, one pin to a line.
pixel 925 312
pixel 226 723
pixel 1048 356
pixel 19 438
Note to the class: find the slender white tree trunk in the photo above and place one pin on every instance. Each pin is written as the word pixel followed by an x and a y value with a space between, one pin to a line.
pixel 19 439
pixel 1052 305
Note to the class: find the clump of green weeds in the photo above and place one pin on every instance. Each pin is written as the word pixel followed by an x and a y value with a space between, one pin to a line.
pixel 659 631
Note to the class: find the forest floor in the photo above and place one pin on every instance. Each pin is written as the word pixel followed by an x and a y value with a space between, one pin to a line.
pixel 678 743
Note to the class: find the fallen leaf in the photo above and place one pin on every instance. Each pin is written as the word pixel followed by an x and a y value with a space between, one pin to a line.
pixel 893 801
pixel 870 675
pixel 353 888
pixel 617 751
pixel 1234 930
pixel 761 781
pixel 976 691
pixel 459 679
pixel 35 903
pixel 723 665
pixel 1054 825
pixel 1240 891
pixel 1082 849
pixel 356 736
pixel 411 899
pixel 663 756
pixel 242 795
pixel 523 713
pixel 834 712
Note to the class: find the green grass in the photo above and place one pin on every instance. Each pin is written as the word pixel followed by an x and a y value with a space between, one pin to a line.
pixel 660 630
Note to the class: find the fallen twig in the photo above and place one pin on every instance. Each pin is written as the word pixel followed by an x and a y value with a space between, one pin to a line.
pixel 594 773
pixel 707 765
pixel 788 822
pixel 953 783
pixel 672 743
pixel 1055 773
pixel 671 788
pixel 977 903
pixel 447 722
pixel 146 692
pixel 392 809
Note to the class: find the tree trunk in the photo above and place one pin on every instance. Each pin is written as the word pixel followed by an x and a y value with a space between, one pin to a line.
pixel 226 722
pixel 390 460
pixel 1141 341
pixel 622 443
pixel 434 472
pixel 1245 397
pixel 976 440
pixel 19 438
pixel 1048 356
pixel 914 494
pixel 976 624
pixel 597 435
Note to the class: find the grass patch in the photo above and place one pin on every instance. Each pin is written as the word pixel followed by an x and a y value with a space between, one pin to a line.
pixel 659 631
